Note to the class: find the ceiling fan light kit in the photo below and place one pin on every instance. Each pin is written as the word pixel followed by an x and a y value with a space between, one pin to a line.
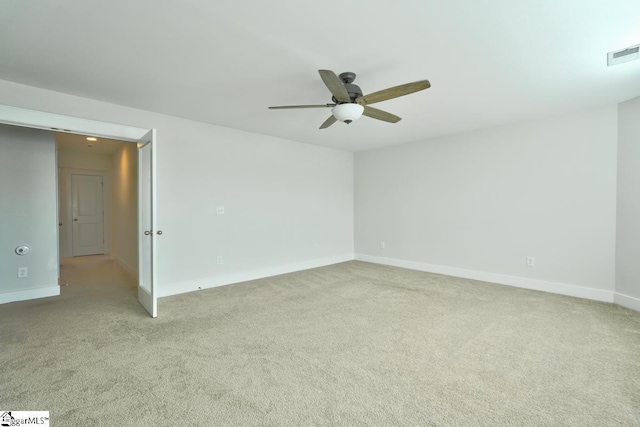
pixel 347 112
pixel 349 103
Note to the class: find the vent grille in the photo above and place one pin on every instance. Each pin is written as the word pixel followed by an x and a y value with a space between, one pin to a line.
pixel 626 52
pixel 624 55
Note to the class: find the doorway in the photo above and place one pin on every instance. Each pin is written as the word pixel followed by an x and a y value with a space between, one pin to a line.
pixel 97 198
pixel 145 140
pixel 98 212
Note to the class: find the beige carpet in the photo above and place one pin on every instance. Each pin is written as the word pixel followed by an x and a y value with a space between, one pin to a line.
pixel 353 344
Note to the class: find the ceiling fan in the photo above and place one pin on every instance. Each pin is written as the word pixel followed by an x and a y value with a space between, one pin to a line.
pixel 349 103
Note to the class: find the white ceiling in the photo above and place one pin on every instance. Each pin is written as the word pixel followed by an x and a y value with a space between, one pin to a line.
pixel 224 62
pixel 79 143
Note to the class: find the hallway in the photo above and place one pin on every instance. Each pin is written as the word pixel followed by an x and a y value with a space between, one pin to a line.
pixel 91 287
pixel 93 281
pixel 95 276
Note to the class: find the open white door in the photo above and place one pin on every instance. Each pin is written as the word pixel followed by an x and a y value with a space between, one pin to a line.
pixel 147 294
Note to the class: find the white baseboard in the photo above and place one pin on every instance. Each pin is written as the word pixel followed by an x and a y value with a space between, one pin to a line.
pixel 49 291
pixel 627 301
pixel 228 279
pixel 126 267
pixel 502 279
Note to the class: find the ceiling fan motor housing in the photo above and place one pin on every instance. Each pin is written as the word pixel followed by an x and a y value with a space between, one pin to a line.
pixel 354 92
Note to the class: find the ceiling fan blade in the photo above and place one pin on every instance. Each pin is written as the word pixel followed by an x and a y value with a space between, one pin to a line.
pixel 394 92
pixel 374 113
pixel 282 107
pixel 335 85
pixel 331 120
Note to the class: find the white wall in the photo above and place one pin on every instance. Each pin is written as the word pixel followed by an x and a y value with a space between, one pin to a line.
pixel 80 160
pixel 288 205
pixel 27 213
pixel 628 232
pixel 477 204
pixel 124 208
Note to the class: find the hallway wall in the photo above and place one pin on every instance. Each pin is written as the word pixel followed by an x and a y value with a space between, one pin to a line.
pixel 124 208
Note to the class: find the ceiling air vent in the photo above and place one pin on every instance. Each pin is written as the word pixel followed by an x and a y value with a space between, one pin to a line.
pixel 624 55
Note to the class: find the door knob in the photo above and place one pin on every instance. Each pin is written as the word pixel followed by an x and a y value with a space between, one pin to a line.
pixel 147 232
pixel 75 219
pixel 159 232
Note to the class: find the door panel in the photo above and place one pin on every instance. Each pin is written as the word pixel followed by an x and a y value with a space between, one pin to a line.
pixel 147 294
pixel 88 215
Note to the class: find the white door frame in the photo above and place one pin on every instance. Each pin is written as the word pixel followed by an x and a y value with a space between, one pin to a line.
pixel 69 207
pixel 60 123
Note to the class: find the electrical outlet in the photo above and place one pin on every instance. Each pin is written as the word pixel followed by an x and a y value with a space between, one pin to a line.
pixel 219 260
pixel 22 272
pixel 220 211
pixel 382 245
pixel 531 261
